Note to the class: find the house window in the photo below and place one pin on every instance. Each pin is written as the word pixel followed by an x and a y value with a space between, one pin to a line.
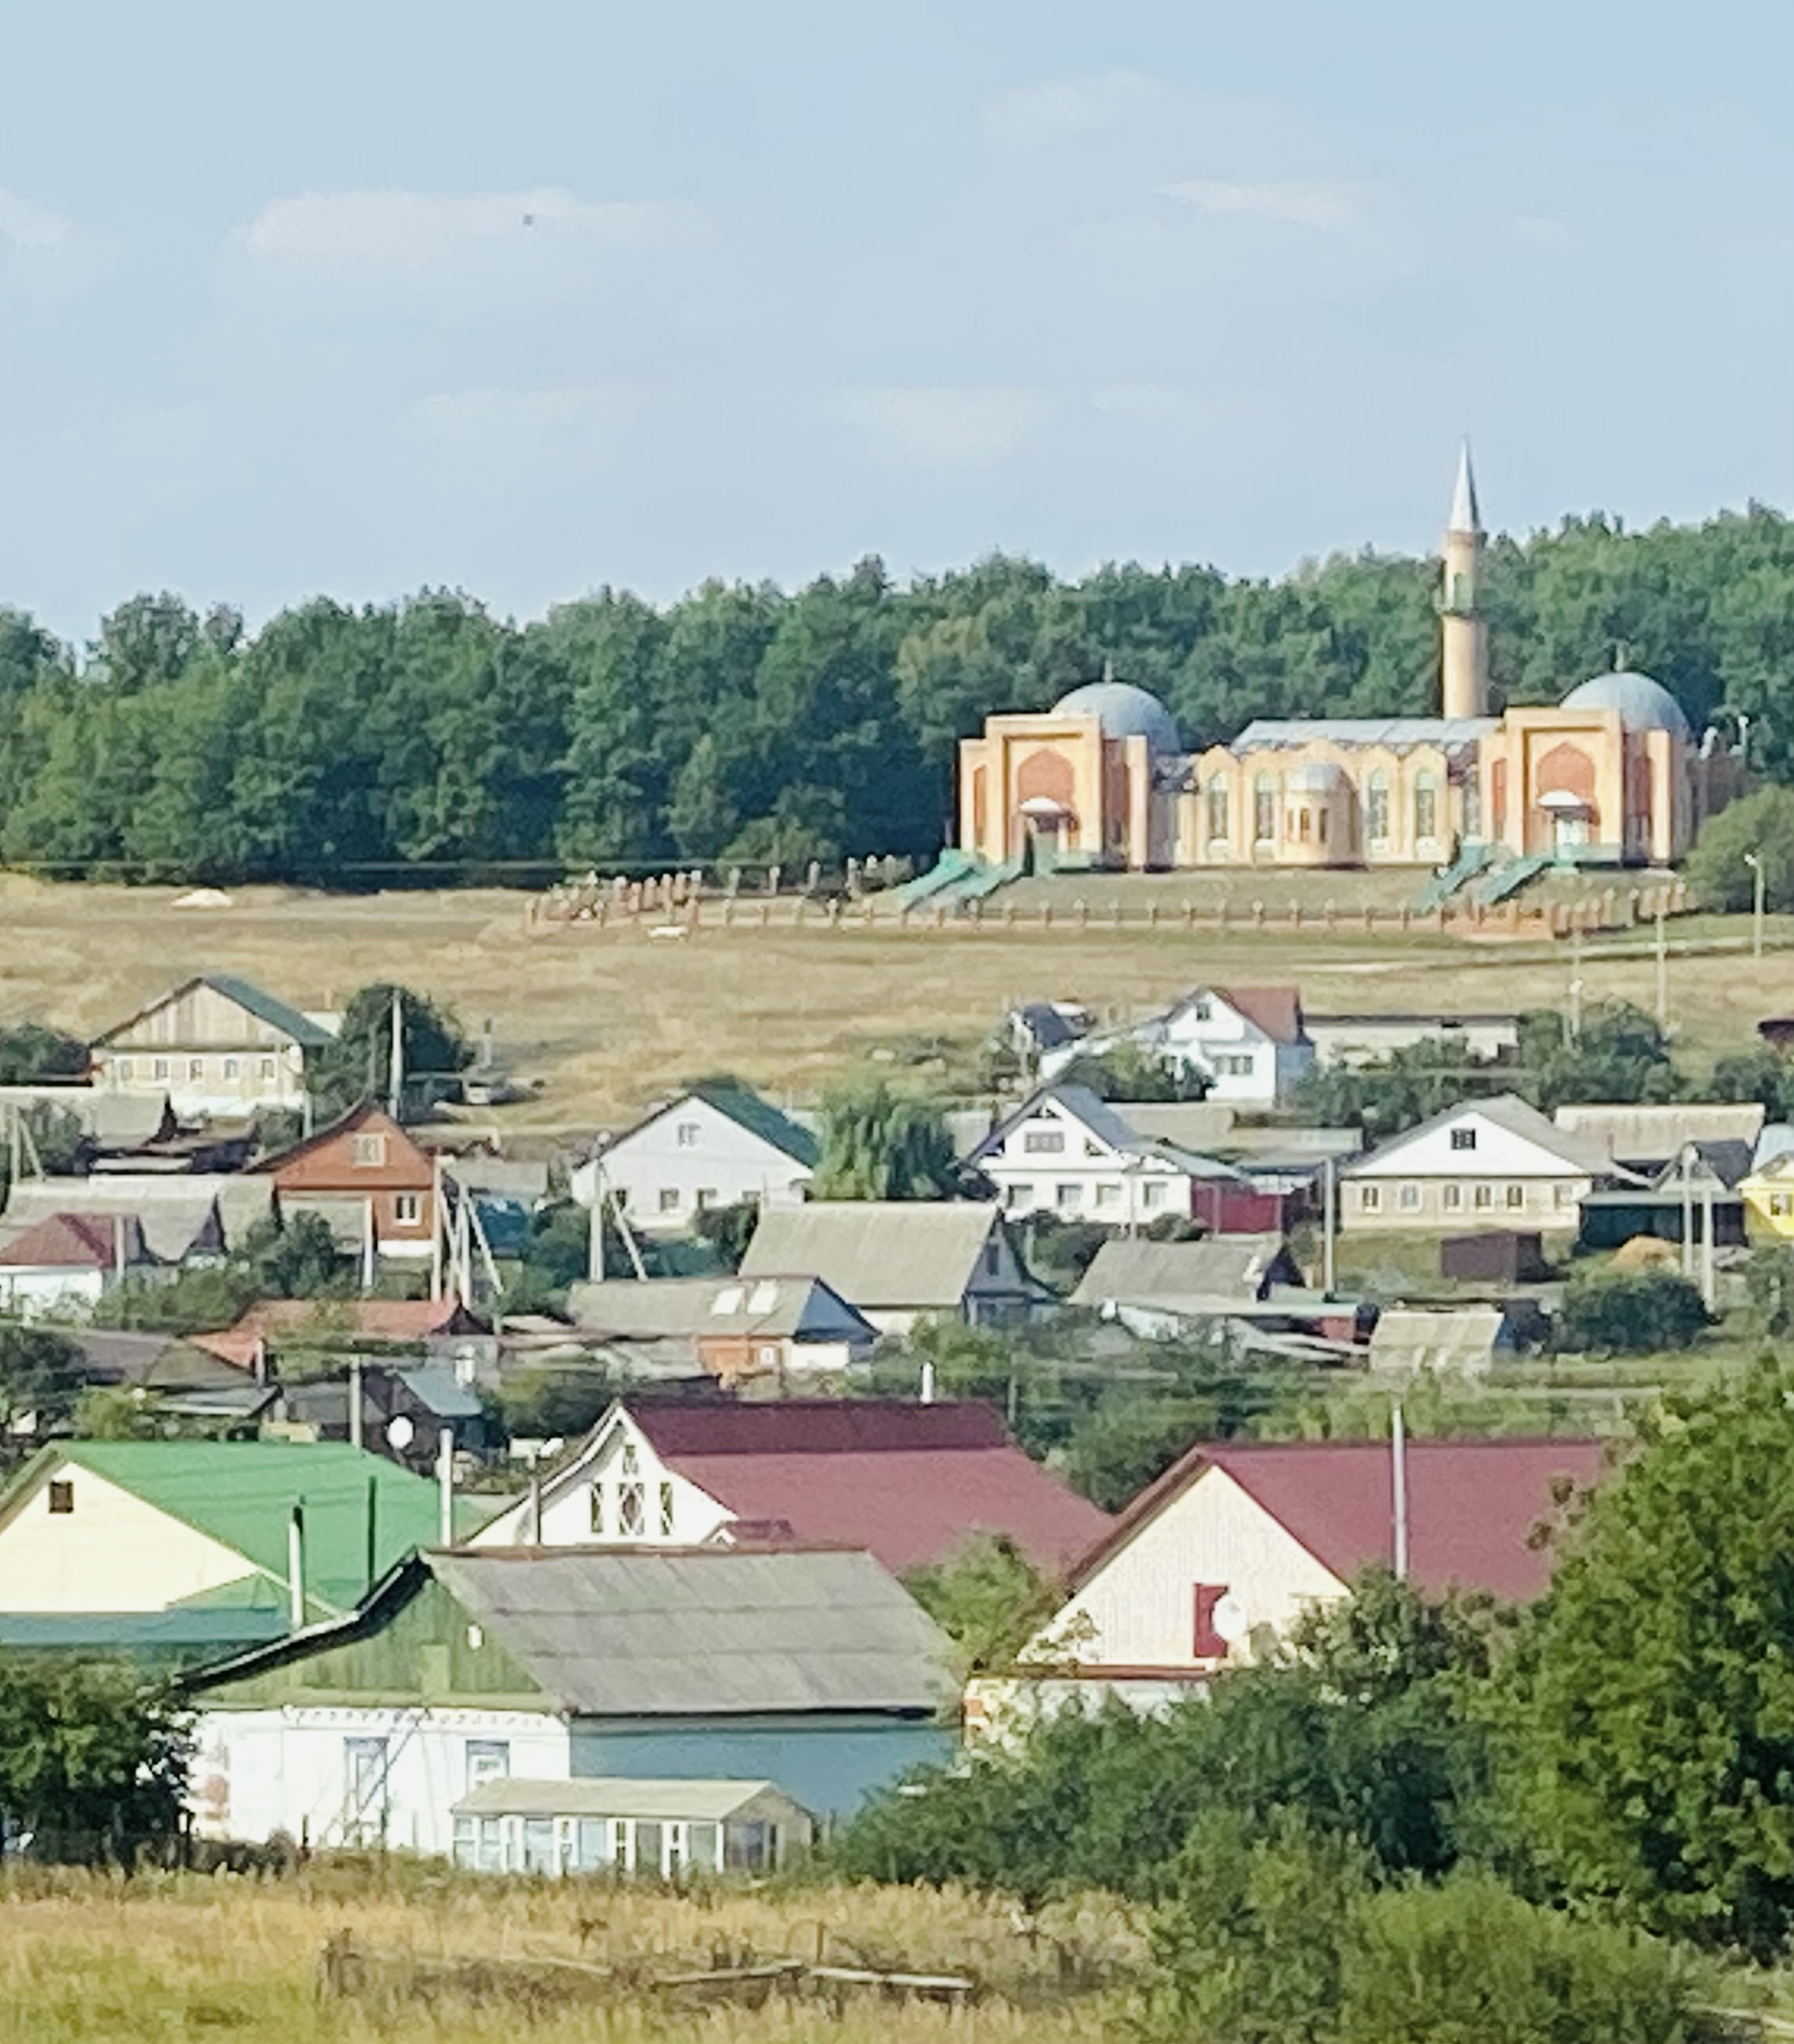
pixel 196 1068
pixel 1152 1195
pixel 1264 809
pixel 62 1497
pixel 1377 808
pixel 992 1258
pixel 233 1067
pixel 1453 1197
pixel 631 1510
pixel 1463 1139
pixel 1370 1197
pixel 669 1199
pixel 159 1069
pixel 1562 1195
pixel 1207 1644
pixel 1483 1196
pixel 365 1768
pixel 126 1067
pixel 1018 1195
pixel 487 1760
pixel 1044 1142
pixel 369 1152
pixel 1070 1194
pixel 597 1497
pixel 1201 1009
pixel 1232 1064
pixel 1108 1195
pixel 665 1502
pixel 1218 808
pixel 1517 1196
pixel 265 1069
pixel 1409 1196
pixel 1426 806
pixel 407 1209
pixel 685 1136
pixel 705 1197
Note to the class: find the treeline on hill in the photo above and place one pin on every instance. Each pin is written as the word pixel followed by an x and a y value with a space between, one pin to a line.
pixel 1438 1819
pixel 745 724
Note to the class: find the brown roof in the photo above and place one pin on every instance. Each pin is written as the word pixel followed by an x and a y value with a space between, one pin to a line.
pixel 367 1319
pixel 75 1242
pixel 1277 1010
pixel 322 1162
pixel 909 1482
pixel 1473 1506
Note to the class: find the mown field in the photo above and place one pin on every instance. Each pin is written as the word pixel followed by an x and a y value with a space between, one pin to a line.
pixel 607 1019
pixel 84 1959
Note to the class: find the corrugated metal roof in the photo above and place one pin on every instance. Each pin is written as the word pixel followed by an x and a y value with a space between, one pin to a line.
pixel 1651 1132
pixel 1400 734
pixel 113 1120
pixel 601 1796
pixel 773 1306
pixel 1504 1111
pixel 1229 1266
pixel 917 1254
pixel 630 1633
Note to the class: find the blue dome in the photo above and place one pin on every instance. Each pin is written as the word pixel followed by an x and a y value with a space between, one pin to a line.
pixel 1125 712
pixel 1643 705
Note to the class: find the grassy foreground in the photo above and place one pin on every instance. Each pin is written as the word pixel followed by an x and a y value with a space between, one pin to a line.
pixel 179 1956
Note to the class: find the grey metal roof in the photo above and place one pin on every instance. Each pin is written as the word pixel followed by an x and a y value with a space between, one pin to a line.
pixel 639 1310
pixel 601 1796
pixel 1191 1125
pixel 113 1120
pixel 1230 1266
pixel 1652 1132
pixel 1518 1117
pixel 1400 734
pixel 436 1387
pixel 631 1632
pixel 178 1215
pixel 895 1254
pixel 501 1178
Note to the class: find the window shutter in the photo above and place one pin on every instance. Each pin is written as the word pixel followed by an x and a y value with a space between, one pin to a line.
pixel 1208 1645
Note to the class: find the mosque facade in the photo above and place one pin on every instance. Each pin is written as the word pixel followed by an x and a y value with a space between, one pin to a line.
pixel 1612 775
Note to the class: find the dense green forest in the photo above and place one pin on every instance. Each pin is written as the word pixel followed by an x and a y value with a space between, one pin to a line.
pixel 749 726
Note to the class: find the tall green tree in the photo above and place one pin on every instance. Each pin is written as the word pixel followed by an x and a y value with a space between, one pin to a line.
pixel 878 1144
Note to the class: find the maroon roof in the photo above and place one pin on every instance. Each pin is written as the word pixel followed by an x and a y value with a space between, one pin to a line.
pixel 1277 1010
pixel 1472 1506
pixel 909 1482
pixel 75 1242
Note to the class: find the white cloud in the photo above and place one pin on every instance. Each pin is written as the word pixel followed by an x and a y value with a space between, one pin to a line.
pixel 423 231
pixel 488 429
pixel 1301 202
pixel 1033 117
pixel 943 426
pixel 1537 230
pixel 28 226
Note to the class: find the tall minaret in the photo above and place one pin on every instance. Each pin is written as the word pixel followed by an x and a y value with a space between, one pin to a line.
pixel 1463 630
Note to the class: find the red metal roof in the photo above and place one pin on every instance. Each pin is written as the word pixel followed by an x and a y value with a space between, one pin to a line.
pixel 1474 1506
pixel 1277 1010
pixel 911 1483
pixel 75 1242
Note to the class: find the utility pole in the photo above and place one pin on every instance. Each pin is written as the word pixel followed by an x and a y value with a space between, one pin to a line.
pixel 1756 866
pixel 396 1067
pixel 1329 1224
pixel 1575 980
pixel 1663 961
pixel 356 1420
pixel 1709 1275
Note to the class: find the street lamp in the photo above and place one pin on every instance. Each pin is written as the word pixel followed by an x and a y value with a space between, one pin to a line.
pixel 1756 867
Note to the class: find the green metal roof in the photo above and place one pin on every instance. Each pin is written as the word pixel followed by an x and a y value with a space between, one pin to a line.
pixel 265 1008
pixel 180 1637
pixel 240 1494
pixel 759 1117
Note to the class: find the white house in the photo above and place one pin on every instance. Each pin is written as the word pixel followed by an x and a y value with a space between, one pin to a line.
pixel 1249 1043
pixel 1496 1162
pixel 911 1483
pixel 715 1146
pixel 899 1261
pixel 1067 1152
pixel 61 1266
pixel 1220 1560
pixel 216 1046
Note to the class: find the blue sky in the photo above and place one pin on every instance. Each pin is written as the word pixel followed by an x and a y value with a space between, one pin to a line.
pixel 531 297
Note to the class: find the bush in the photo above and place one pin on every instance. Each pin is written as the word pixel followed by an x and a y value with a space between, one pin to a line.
pixel 1762 823
pixel 1626 1312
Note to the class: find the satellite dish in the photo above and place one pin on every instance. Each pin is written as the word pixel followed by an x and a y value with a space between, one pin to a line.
pixel 1229 1620
pixel 401 1433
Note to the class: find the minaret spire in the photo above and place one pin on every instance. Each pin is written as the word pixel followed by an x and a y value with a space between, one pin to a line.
pixel 1463 631
pixel 1464 516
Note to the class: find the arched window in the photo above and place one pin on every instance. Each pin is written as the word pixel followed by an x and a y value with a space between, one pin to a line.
pixel 1264 808
pixel 1218 808
pixel 1377 808
pixel 1426 806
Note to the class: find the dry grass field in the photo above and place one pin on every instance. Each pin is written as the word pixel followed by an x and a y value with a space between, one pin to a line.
pixel 609 1018
pixel 84 1959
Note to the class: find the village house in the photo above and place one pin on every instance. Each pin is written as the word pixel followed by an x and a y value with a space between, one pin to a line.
pixel 1248 1044
pixel 118 1526
pixel 215 1046
pixel 60 1267
pixel 1488 1036
pixel 912 1484
pixel 444 1331
pixel 899 1261
pixel 1767 1186
pixel 1245 1293
pixel 1219 1561
pixel 1240 1269
pixel 378 1189
pixel 181 1217
pixel 809 1669
pixel 715 1146
pixel 778 1330
pixel 1066 1152
pixel 1497 1161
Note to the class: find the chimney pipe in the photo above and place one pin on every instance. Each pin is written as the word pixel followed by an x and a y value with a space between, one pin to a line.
pixel 296 1566
pixel 927 1383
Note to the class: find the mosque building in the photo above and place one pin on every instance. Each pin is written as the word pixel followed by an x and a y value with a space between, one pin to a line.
pixel 1612 775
